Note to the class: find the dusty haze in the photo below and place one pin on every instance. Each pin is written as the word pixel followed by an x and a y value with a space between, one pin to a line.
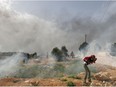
pixel 29 33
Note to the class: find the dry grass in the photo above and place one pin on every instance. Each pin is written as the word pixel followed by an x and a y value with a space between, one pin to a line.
pixel 62 80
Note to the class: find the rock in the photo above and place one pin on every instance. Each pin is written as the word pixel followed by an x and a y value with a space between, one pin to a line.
pixel 98 84
pixel 113 78
pixel 32 82
pixel 27 81
pixel 102 76
pixel 114 83
pixel 81 75
pixel 35 83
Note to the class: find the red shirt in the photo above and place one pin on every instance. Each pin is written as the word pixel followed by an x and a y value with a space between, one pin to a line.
pixel 88 60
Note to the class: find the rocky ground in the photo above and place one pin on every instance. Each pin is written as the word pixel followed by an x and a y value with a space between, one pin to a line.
pixel 105 77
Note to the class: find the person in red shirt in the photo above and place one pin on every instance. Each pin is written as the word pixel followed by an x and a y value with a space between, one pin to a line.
pixel 88 60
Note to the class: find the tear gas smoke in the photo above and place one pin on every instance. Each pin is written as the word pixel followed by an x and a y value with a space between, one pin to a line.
pixel 11 65
pixel 28 33
pixel 102 53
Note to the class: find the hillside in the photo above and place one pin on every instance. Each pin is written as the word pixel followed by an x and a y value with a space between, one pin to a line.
pixel 103 76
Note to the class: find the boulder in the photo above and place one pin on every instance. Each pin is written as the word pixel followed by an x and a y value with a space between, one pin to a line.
pixel 81 75
pixel 102 76
pixel 32 82
pixel 113 78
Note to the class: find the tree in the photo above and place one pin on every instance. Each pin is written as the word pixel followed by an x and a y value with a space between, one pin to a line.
pixel 34 55
pixel 64 51
pixel 113 49
pixel 83 46
pixel 57 53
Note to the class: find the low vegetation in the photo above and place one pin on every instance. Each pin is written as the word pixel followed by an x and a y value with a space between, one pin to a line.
pixel 70 83
pixel 74 77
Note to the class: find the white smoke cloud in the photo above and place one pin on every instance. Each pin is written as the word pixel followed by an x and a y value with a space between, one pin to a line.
pixel 101 52
pixel 106 58
pixel 11 65
pixel 28 33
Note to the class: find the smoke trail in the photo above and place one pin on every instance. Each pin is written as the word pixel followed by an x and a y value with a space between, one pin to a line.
pixel 101 52
pixel 10 65
pixel 28 33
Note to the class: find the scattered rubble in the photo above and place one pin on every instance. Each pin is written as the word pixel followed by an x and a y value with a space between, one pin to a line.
pixel 102 76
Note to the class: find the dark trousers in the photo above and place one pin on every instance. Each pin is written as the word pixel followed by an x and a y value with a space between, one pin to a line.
pixel 87 72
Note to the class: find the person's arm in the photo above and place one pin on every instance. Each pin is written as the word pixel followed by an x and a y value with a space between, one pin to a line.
pixel 85 59
pixel 95 60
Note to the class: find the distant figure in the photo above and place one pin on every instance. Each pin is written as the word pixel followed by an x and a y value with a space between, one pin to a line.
pixel 88 60
pixel 72 54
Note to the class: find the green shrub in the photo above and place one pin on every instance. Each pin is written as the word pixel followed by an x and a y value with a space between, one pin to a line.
pixel 63 79
pixel 70 83
pixel 71 76
pixel 59 68
pixel 74 77
pixel 77 77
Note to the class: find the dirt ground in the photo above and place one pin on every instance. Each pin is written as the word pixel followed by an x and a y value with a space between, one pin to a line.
pixel 105 77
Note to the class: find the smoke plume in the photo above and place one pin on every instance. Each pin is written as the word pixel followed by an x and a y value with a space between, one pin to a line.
pixel 11 65
pixel 28 33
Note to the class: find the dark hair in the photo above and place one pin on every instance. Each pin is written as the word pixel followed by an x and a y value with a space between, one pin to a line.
pixel 93 56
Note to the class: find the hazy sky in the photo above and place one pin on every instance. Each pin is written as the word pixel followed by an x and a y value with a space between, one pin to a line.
pixel 38 26
pixel 51 9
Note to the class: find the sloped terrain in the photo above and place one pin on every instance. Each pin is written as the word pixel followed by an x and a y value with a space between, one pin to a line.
pixel 102 75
